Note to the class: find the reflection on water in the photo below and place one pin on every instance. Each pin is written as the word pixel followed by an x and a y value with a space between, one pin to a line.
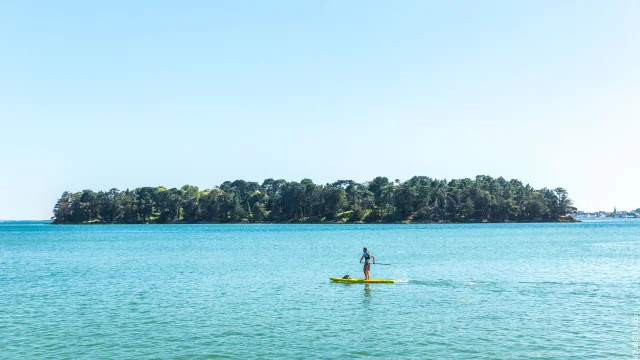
pixel 367 295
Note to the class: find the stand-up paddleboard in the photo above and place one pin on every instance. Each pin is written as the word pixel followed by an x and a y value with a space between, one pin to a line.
pixel 361 281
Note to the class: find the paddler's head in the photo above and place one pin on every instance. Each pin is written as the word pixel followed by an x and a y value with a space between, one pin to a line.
pixel 364 249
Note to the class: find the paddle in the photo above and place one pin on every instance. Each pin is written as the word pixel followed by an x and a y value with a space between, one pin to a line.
pixel 381 264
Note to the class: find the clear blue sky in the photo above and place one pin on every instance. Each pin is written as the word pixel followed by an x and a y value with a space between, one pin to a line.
pixel 102 94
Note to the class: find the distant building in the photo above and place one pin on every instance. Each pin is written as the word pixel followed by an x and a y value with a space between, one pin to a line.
pixel 607 214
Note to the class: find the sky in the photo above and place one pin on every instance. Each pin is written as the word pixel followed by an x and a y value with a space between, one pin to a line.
pixel 97 95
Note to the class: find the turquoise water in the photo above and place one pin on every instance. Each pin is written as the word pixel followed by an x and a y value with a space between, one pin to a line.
pixel 491 291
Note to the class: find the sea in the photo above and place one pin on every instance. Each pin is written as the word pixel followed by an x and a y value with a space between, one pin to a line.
pixel 462 291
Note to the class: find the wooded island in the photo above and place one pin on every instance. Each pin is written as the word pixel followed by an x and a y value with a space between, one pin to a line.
pixel 417 200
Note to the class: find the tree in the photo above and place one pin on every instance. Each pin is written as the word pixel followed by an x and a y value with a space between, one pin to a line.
pixel 418 199
pixel 62 210
pixel 565 204
pixel 190 203
pixel 334 201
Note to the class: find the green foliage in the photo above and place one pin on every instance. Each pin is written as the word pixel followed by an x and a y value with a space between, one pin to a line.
pixel 344 216
pixel 419 199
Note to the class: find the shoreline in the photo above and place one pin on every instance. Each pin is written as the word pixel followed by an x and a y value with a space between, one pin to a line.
pixel 325 223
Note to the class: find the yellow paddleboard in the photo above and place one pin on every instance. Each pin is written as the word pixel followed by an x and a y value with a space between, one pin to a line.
pixel 360 281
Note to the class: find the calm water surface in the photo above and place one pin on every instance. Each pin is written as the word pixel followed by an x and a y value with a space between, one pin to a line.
pixel 489 291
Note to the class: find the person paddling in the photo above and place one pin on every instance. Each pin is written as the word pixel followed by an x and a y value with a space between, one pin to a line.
pixel 367 265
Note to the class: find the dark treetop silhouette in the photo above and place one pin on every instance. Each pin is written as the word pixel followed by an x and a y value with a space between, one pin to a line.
pixel 419 199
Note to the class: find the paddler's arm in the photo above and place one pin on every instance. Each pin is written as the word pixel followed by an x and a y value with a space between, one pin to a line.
pixel 374 258
pixel 361 259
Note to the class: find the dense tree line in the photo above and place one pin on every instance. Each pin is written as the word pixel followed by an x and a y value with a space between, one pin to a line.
pixel 419 199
